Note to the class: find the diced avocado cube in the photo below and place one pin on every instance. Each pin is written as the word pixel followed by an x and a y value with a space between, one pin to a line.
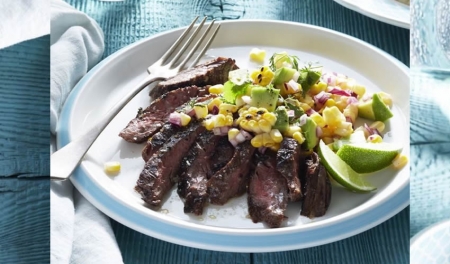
pixel 282 122
pixel 283 75
pixel 265 97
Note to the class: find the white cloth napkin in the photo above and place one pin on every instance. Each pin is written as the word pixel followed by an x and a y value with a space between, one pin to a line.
pixel 22 20
pixel 80 234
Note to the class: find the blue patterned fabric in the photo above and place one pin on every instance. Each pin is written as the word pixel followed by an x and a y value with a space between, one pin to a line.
pixel 131 20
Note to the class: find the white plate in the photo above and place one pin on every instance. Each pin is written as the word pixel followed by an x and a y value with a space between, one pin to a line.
pixel 228 228
pixel 388 11
pixel 432 245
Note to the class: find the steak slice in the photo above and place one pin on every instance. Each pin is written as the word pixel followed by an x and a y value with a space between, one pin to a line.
pixel 222 155
pixel 288 163
pixel 267 193
pixel 157 141
pixel 231 180
pixel 193 173
pixel 208 73
pixel 160 171
pixel 316 189
pixel 152 118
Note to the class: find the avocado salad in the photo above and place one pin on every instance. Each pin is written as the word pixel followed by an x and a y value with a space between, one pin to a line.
pixel 287 99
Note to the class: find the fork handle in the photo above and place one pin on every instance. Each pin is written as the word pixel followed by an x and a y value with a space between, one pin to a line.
pixel 64 161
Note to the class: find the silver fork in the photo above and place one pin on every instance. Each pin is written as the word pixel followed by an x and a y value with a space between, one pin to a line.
pixel 66 159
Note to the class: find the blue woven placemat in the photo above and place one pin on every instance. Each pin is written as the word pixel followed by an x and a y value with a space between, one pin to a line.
pixel 24 152
pixel 131 20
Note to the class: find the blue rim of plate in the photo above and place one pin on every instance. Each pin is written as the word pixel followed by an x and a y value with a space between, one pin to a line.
pixel 221 241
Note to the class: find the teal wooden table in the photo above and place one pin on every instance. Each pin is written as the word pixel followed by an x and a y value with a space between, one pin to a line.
pixel 24 152
pixel 131 20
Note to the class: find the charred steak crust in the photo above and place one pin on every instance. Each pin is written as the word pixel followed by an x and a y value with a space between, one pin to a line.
pixel 288 162
pixel 208 73
pixel 267 194
pixel 151 119
pixel 316 189
pixel 160 171
pixel 222 155
pixel 231 180
pixel 157 140
pixel 195 166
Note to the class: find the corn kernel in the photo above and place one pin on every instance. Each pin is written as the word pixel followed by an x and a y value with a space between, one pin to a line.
pixel 201 111
pixel 375 138
pixel 299 137
pixel 111 167
pixel 318 119
pixel 330 102
pixel 328 140
pixel 227 109
pixel 332 116
pixel 220 121
pixel 262 76
pixel 270 117
pixel 257 141
pixel 208 124
pixel 387 99
pixel 264 125
pixel 274 146
pixel 342 103
pixel 276 135
pixel 253 124
pixel 215 102
pixel 243 109
pixel 378 125
pixel 351 111
pixel 317 88
pixel 258 55
pixel 267 140
pixel 292 129
pixel 344 129
pixel 229 120
pixel 185 119
pixel 400 161
pixel 252 110
pixel 309 100
pixel 244 125
pixel 232 133
pixel 359 89
pixel 327 132
pixel 216 89
pixel 305 107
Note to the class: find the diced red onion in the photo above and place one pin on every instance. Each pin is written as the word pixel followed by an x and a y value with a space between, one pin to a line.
pixel 241 137
pixel 234 142
pixel 310 111
pixel 372 131
pixel 262 150
pixel 348 119
pixel 191 112
pixel 291 85
pixel 321 98
pixel 329 78
pixel 338 91
pixel 303 119
pixel 221 131
pixel 352 100
pixel 246 134
pixel 217 131
pixel 319 132
pixel 175 118
pixel 366 97
pixel 291 113
pixel 215 110
pixel 296 75
pixel 247 99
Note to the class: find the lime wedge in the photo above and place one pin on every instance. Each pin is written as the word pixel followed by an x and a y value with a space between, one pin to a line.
pixel 369 157
pixel 375 109
pixel 341 172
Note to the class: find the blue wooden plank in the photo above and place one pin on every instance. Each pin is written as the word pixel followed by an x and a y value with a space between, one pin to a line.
pixel 24 109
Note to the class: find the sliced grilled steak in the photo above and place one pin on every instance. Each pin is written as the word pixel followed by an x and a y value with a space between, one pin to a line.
pixel 231 180
pixel 150 120
pixel 193 173
pixel 316 189
pixel 288 162
pixel 222 155
pixel 160 171
pixel 157 141
pixel 267 193
pixel 209 73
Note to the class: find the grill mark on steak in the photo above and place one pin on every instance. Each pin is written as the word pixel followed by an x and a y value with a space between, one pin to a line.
pixel 192 184
pixel 208 73
pixel 151 119
pixel 316 189
pixel 160 171
pixel 231 180
pixel 222 155
pixel 267 193
pixel 157 140
pixel 288 162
